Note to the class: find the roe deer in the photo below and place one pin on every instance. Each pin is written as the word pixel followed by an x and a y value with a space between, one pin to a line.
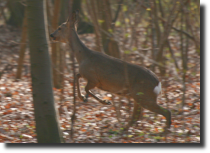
pixel 108 73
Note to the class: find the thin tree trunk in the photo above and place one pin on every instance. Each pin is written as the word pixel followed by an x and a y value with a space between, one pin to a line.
pixel 156 23
pixel 73 117
pixel 109 44
pixel 22 48
pixel 55 46
pixel 167 29
pixel 94 16
pixel 167 41
pixel 47 125
pixel 49 14
pixel 3 14
pixel 153 36
pixel 16 10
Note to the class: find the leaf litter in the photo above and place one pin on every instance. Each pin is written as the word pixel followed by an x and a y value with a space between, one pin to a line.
pixel 95 123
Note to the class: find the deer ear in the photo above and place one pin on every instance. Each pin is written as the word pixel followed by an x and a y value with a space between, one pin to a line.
pixel 75 16
pixel 67 20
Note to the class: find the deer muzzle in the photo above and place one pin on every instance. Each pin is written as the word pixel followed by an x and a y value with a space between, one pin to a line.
pixel 52 36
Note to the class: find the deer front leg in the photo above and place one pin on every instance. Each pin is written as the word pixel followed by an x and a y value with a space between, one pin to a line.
pixel 81 96
pixel 91 85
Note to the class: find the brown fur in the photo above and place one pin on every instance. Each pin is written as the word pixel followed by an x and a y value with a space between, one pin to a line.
pixel 108 73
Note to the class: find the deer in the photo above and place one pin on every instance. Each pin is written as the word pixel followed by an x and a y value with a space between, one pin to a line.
pixel 108 73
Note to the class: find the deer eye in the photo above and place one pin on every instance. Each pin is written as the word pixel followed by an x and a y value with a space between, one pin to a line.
pixel 59 28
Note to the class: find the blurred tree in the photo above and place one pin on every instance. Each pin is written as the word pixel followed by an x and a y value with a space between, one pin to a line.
pixel 47 127
pixel 101 14
pixel 16 9
pixel 84 26
pixel 56 46
pixel 64 9
pixel 110 46
pixel 93 11
pixel 23 45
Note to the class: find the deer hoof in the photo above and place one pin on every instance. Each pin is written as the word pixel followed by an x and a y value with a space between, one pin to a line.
pixel 85 99
pixel 107 102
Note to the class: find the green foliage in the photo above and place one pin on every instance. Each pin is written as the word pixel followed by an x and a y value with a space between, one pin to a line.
pixel 127 51
pixel 110 30
pixel 127 20
pixel 140 93
pixel 117 23
pixel 158 137
pixel 127 35
pixel 134 48
pixel 148 9
pixel 100 21
pixel 125 8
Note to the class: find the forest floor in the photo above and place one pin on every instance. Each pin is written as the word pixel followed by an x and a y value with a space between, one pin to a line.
pixel 96 123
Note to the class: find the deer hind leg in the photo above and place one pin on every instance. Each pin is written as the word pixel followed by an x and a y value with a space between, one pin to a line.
pixel 90 85
pixel 166 113
pixel 160 110
pixel 150 103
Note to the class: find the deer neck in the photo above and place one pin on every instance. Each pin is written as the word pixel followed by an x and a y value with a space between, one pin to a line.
pixel 80 50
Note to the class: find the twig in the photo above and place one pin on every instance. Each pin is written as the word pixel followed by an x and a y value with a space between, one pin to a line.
pixel 117 13
pixel 172 54
pixel 178 30
pixel 73 117
pixel 74 97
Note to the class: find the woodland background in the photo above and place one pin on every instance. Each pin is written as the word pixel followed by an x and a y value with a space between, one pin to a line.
pixel 162 35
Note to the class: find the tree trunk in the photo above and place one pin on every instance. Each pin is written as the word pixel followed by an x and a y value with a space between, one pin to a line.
pixel 164 37
pixel 22 48
pixel 16 9
pixel 64 9
pixel 109 44
pixel 47 127
pixel 49 14
pixel 91 4
pixel 55 46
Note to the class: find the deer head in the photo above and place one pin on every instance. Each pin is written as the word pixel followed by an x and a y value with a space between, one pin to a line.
pixel 61 33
